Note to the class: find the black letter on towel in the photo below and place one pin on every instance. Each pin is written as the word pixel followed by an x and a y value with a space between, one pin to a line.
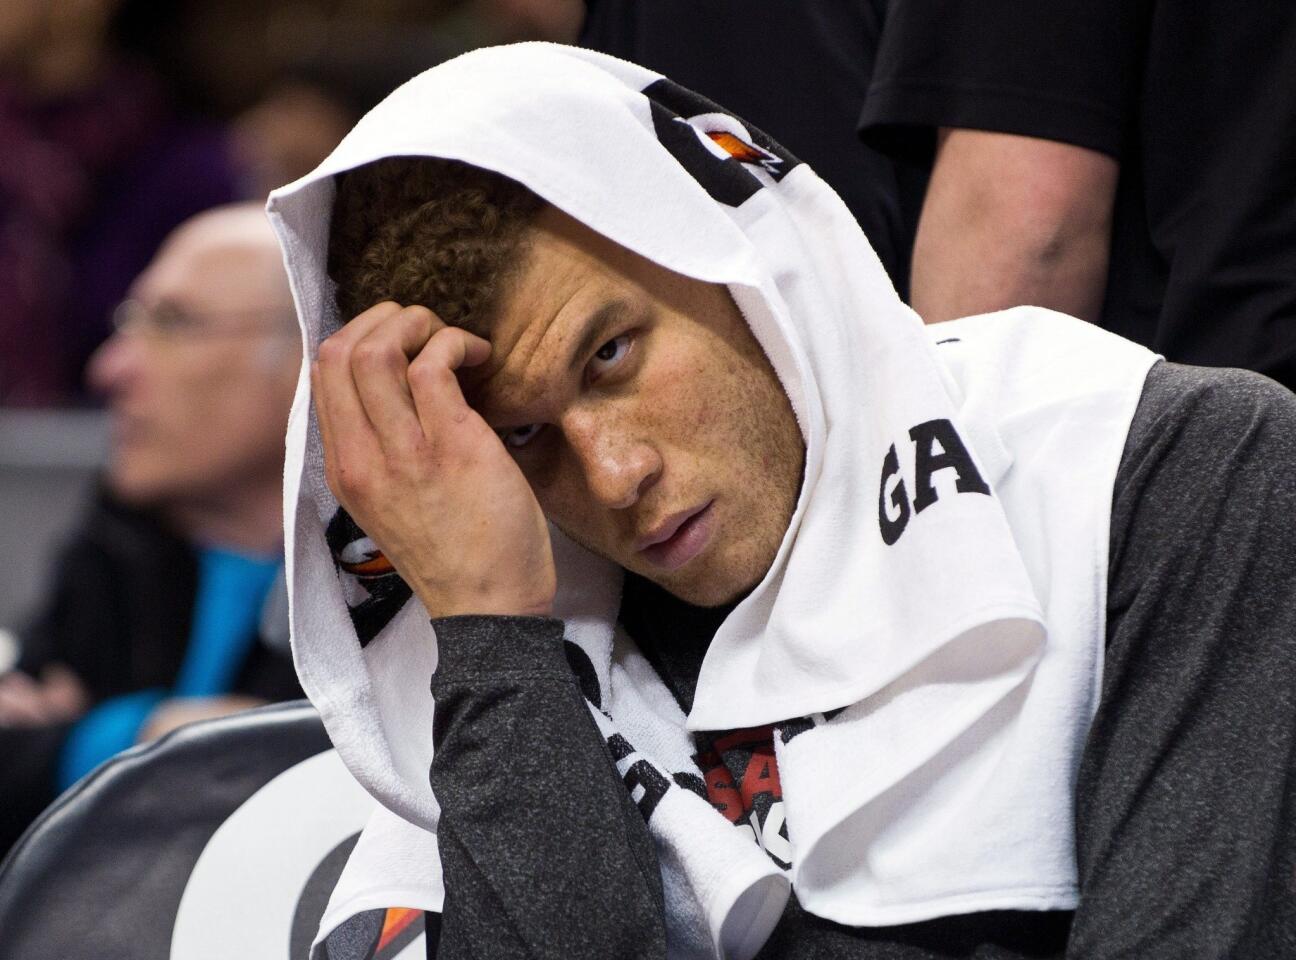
pixel 954 456
pixel 586 676
pixel 891 529
pixel 643 774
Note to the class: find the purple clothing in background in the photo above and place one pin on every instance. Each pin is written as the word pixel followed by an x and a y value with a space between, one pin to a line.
pixel 90 185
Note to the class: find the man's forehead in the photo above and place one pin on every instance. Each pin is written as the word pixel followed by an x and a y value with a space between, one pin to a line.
pixel 525 340
pixel 546 349
pixel 543 307
pixel 216 272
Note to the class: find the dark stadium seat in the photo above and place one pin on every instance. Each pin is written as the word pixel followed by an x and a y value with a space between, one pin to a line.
pixel 223 839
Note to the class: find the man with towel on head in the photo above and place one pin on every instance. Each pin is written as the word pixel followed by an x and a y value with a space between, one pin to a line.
pixel 763 619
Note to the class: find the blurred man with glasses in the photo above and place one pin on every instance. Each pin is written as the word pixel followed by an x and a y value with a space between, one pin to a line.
pixel 162 608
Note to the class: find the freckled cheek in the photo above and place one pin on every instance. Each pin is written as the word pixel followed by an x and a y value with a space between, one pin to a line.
pixel 565 501
pixel 676 407
pixel 702 419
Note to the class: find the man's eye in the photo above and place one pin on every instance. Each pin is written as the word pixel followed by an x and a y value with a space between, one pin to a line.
pixel 520 436
pixel 609 355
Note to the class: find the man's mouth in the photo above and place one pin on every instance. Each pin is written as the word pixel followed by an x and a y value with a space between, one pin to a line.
pixel 679 538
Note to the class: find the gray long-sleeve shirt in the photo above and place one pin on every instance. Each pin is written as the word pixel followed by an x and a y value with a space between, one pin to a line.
pixel 1186 801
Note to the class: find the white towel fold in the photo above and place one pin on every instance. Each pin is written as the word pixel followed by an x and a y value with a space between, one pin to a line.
pixel 929 638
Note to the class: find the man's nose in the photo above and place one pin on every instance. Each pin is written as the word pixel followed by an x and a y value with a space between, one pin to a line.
pixel 113 365
pixel 619 466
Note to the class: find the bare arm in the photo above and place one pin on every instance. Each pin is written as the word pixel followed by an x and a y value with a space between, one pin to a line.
pixel 1012 220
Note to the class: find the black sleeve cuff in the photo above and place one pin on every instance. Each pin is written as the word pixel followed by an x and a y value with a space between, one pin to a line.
pixel 478 646
pixel 900 118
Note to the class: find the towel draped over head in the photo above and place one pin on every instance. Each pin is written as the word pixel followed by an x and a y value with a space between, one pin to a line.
pixel 928 640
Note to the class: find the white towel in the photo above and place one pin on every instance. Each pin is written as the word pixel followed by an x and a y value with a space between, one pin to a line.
pixel 929 637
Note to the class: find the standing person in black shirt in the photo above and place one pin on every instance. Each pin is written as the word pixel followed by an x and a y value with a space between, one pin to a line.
pixel 1130 163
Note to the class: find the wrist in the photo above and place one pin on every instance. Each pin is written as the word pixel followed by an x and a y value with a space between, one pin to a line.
pixel 470 648
pixel 485 604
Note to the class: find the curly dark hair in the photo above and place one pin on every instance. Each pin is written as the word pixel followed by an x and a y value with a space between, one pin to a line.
pixel 421 230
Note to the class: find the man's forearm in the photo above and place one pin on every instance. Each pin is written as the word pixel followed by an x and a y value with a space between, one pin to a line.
pixel 1011 220
pixel 543 852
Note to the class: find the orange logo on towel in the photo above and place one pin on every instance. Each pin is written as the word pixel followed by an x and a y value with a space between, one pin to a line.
pixel 684 121
pixel 396 922
pixel 373 564
pixel 373 589
pixel 740 149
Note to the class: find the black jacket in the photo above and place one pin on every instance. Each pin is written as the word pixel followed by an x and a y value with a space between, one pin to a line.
pixel 118 615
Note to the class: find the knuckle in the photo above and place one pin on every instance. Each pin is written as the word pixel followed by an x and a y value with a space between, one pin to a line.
pixel 398 445
pixel 380 309
pixel 418 315
pixel 351 483
pixel 447 335
pixel 332 351
pixel 423 373
pixel 374 355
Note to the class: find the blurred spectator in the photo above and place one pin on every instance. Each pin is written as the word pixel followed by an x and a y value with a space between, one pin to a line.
pixel 98 167
pixel 797 71
pixel 287 134
pixel 317 96
pixel 325 65
pixel 512 21
pixel 1132 163
pixel 115 125
pixel 162 608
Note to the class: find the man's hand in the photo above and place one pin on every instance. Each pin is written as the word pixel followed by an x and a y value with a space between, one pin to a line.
pixel 421 473
pixel 57 697
pixel 178 711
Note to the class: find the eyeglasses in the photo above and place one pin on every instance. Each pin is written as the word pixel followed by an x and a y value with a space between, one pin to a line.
pixel 170 322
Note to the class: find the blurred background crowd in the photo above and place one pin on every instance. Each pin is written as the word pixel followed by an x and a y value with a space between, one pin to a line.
pixel 120 118
pixel 148 348
pixel 1102 158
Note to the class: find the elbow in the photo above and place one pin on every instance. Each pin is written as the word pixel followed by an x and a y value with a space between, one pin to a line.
pixel 985 254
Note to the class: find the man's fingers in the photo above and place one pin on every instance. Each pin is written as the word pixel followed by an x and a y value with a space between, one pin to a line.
pixel 380 364
pixel 332 383
pixel 360 326
pixel 350 444
pixel 65 694
pixel 340 442
pixel 436 391
pixel 21 702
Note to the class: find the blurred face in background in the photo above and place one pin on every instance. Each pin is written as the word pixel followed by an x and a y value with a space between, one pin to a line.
pixel 200 374
pixel 54 45
pixel 21 24
pixel 555 20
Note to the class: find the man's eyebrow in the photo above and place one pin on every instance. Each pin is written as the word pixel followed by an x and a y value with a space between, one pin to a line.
pixel 596 328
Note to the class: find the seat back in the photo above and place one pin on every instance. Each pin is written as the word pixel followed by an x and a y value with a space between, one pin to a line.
pixel 223 839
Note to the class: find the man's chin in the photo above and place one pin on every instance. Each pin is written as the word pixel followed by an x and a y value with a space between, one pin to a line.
pixel 696 583
pixel 136 488
pixel 703 587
